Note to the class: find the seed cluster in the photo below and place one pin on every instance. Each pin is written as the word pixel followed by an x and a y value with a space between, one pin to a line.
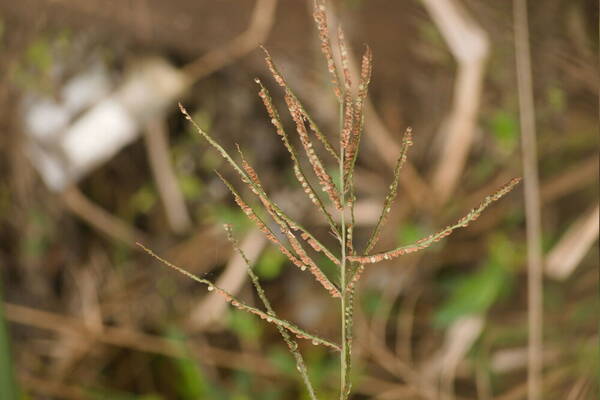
pixel 436 237
pixel 320 17
pixel 324 179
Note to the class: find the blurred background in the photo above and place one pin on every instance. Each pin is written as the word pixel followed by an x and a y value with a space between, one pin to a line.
pixel 96 156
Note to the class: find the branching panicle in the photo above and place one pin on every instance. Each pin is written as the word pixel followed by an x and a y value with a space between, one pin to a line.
pixel 389 199
pixel 289 341
pixel 320 16
pixel 324 179
pixel 352 103
pixel 300 333
pixel 436 237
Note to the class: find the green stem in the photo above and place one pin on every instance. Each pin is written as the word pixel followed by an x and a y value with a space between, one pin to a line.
pixel 345 350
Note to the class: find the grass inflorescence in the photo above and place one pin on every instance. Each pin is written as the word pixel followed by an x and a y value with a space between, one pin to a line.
pixel 293 239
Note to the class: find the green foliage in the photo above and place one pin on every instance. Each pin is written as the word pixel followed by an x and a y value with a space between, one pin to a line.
pixel 556 99
pixel 409 233
pixel 475 293
pixel 35 244
pixel 191 187
pixel 282 360
pixel 223 214
pixel 143 200
pixel 371 301
pixel 246 326
pixel 270 264
pixel 192 382
pixel 505 128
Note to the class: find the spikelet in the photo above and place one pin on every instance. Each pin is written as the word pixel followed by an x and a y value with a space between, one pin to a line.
pixel 245 179
pixel 298 171
pixel 288 91
pixel 306 261
pixel 243 306
pixel 436 237
pixel 325 180
pixel 389 199
pixel 320 17
pixel 252 216
pixel 344 59
pixel 347 138
pixel 287 338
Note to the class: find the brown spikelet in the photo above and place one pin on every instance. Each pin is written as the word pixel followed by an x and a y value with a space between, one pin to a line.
pixel 300 259
pixel 359 114
pixel 288 91
pixel 348 142
pixel 436 237
pixel 389 199
pixel 320 17
pixel 344 58
pixel 252 216
pixel 312 266
pixel 316 246
pixel 324 179
pixel 298 171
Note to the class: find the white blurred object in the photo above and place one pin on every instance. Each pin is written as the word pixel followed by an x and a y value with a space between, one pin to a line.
pixel 566 255
pixel 65 146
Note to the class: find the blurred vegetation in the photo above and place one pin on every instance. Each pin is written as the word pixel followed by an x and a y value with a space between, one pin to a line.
pixel 51 260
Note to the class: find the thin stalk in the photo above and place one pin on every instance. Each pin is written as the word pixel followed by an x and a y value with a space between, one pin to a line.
pixel 532 201
pixel 345 349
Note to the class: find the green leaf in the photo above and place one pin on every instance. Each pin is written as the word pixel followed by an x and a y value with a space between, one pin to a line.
pixel 190 186
pixel 192 384
pixel 475 293
pixel 282 360
pixel 410 233
pixel 505 128
pixel 270 264
pixel 143 200
pixel 245 325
